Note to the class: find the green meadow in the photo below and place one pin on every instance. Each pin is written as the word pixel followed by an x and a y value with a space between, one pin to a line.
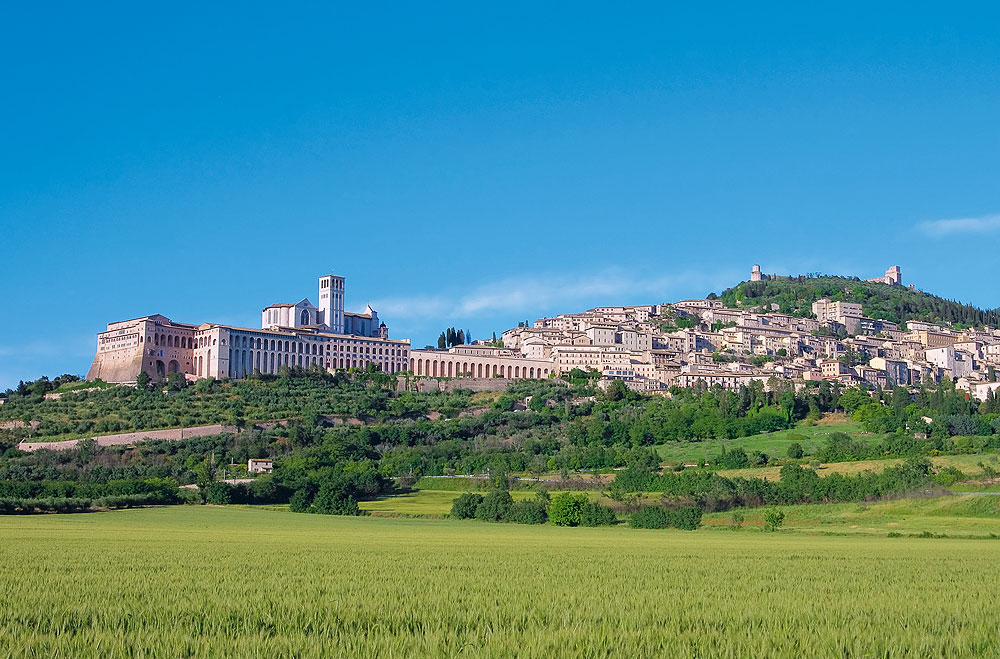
pixel 955 516
pixel 213 582
pixel 774 444
pixel 969 464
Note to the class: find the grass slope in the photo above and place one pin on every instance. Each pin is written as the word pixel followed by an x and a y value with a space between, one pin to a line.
pixel 234 582
pixel 956 516
pixel 774 444
pixel 967 463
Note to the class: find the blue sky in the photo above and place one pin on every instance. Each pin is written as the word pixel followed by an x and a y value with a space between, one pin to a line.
pixel 475 166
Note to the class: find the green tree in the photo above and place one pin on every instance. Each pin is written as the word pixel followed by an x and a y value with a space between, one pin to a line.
pixel 650 517
pixel 852 399
pixel 567 509
pixel 464 506
pixel 527 512
pixel 594 514
pixel 176 381
pixel 495 506
pixel 299 503
pixel 687 518
pixel 218 493
pixel 334 499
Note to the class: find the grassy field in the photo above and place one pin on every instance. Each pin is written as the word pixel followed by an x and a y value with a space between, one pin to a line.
pixel 955 516
pixel 435 502
pixel 774 444
pixel 967 463
pixel 204 582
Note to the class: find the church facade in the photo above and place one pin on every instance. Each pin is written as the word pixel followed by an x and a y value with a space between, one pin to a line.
pixel 299 334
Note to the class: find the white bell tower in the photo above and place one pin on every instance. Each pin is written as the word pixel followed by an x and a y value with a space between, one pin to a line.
pixel 331 302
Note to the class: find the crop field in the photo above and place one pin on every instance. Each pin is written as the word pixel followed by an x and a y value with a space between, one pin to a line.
pixel 957 516
pixel 206 581
pixel 967 463
pixel 774 444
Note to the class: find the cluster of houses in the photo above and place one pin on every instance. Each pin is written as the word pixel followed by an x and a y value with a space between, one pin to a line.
pixel 654 347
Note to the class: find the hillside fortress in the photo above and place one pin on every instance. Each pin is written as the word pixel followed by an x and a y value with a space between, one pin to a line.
pixel 298 334
pixel 893 276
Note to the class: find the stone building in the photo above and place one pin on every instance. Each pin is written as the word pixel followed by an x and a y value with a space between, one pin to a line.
pixel 478 361
pixel 893 277
pixel 298 334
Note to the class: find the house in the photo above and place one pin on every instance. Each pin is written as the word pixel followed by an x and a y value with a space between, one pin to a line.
pixel 260 465
pixel 833 369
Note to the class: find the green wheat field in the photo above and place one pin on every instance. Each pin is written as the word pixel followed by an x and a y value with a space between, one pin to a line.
pixel 212 582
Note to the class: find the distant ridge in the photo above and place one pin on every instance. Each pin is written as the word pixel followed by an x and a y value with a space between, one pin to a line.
pixel 795 295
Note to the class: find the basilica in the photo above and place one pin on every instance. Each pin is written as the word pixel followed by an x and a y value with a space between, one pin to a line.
pixel 299 334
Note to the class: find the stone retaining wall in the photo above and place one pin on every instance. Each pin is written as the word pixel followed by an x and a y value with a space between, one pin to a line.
pixel 472 384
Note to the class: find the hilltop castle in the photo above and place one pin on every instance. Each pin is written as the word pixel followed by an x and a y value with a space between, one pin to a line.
pixel 893 276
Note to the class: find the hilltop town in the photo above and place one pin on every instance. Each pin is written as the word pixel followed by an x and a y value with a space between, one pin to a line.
pixel 701 341
pixel 651 348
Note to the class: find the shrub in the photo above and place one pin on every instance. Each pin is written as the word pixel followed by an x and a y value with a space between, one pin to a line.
pixel 687 518
pixel 734 459
pixel 650 517
pixel 495 506
pixel 566 509
pixel 949 476
pixel 126 501
pixel 795 450
pixel 299 503
pixel 333 499
pixel 219 493
pixel 773 519
pixel 464 507
pixel 527 512
pixel 594 514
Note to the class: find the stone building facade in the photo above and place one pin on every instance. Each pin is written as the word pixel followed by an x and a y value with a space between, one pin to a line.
pixel 478 361
pixel 290 335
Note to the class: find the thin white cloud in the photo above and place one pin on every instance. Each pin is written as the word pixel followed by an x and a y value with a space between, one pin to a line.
pixel 538 294
pixel 72 346
pixel 984 224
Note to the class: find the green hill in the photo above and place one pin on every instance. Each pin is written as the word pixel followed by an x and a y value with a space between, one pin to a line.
pixel 795 295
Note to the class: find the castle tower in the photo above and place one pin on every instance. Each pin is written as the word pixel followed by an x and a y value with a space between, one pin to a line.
pixel 331 302
pixel 894 276
pixel 755 273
